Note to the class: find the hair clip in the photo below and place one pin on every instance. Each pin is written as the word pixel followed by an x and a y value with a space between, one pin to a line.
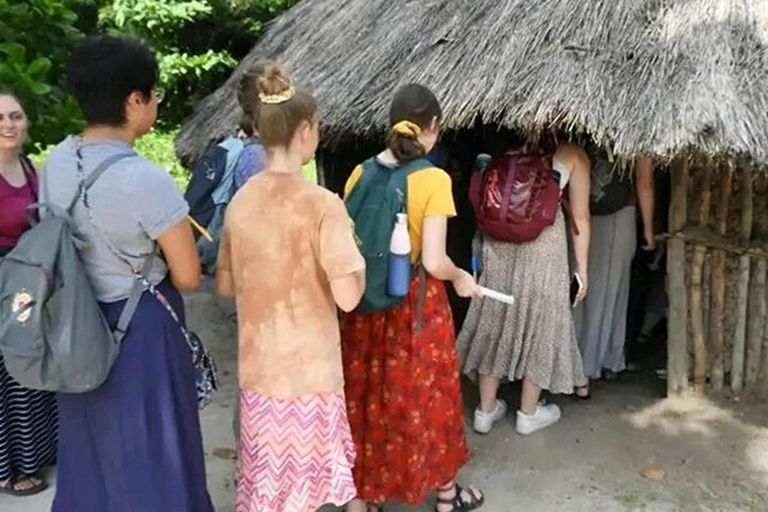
pixel 407 129
pixel 276 99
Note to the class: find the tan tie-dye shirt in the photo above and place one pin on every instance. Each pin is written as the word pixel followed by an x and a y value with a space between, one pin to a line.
pixel 284 241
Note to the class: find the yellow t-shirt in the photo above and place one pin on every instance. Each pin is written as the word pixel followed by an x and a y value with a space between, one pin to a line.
pixel 429 194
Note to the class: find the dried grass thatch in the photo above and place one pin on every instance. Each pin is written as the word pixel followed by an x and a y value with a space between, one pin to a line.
pixel 652 76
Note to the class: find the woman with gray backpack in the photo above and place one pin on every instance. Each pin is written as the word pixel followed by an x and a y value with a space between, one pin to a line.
pixel 133 443
pixel 27 417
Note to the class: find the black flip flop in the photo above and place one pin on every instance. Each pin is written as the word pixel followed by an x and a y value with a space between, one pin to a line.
pixel 583 398
pixel 458 503
pixel 9 490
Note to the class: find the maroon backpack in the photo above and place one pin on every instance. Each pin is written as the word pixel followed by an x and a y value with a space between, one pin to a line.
pixel 516 197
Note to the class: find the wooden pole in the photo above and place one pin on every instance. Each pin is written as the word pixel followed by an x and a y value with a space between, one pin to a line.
pixel 717 316
pixel 758 303
pixel 740 334
pixel 697 307
pixel 678 361
pixel 706 289
pixel 763 379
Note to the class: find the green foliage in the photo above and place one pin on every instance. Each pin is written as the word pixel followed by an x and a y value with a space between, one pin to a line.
pixel 158 147
pixel 156 19
pixel 198 43
pixel 37 36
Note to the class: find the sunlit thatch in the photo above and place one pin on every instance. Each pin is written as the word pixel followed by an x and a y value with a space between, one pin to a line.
pixel 652 76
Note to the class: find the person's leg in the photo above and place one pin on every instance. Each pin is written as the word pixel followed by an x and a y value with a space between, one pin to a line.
pixel 23 485
pixel 489 387
pixel 529 398
pixel 491 409
pixel 452 496
pixel 583 392
pixel 532 415
pixel 650 321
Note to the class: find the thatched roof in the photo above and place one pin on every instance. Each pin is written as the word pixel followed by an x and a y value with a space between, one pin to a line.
pixel 652 76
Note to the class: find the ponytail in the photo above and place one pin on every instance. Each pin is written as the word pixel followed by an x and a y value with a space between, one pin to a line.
pixel 414 108
pixel 403 141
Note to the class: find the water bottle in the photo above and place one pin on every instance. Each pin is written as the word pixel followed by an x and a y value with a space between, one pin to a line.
pixel 399 264
pixel 482 162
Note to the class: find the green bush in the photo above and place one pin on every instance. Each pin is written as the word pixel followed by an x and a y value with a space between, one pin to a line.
pixel 156 146
pixel 198 43
pixel 36 38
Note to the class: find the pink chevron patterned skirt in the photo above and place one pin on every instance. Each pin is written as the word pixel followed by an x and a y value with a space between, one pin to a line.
pixel 296 454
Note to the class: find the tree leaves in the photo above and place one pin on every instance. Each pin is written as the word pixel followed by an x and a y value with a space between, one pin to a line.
pixel 38 36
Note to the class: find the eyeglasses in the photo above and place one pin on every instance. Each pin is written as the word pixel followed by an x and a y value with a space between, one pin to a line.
pixel 159 94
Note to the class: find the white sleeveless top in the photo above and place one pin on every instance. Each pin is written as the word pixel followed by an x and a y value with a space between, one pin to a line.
pixel 565 173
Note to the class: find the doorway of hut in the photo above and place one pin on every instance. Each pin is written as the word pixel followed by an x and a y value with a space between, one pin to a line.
pixel 646 344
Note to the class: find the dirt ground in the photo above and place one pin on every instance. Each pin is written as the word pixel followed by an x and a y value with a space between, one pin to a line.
pixel 713 454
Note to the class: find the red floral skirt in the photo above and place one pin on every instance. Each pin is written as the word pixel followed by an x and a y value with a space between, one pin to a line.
pixel 404 398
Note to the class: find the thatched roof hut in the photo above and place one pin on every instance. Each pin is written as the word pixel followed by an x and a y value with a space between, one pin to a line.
pixel 650 76
pixel 669 78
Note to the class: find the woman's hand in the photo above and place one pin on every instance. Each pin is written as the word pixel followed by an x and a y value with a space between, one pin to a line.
pixel 584 286
pixel 465 285
pixel 649 242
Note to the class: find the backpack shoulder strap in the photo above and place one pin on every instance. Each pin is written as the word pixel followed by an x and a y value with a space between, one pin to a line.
pixel 416 165
pixel 126 315
pixel 371 167
pixel 95 175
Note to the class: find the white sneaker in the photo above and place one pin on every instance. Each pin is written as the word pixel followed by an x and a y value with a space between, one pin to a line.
pixel 484 420
pixel 545 416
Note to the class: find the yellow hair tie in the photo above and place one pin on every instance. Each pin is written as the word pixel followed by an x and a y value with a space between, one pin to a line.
pixel 407 129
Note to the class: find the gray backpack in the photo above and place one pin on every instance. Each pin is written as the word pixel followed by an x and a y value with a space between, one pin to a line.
pixel 53 334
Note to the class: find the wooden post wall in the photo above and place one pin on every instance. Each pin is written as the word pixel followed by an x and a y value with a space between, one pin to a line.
pixel 678 359
pixel 758 305
pixel 717 316
pixel 740 335
pixel 698 334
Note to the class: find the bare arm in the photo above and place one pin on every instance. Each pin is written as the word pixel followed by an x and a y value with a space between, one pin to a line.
pixel 340 257
pixel 348 290
pixel 225 284
pixel 178 246
pixel 646 198
pixel 578 194
pixel 437 263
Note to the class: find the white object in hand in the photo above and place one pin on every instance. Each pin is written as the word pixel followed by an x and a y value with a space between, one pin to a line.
pixel 493 294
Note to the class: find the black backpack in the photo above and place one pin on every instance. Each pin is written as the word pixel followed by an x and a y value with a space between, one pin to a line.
pixel 208 194
pixel 609 190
